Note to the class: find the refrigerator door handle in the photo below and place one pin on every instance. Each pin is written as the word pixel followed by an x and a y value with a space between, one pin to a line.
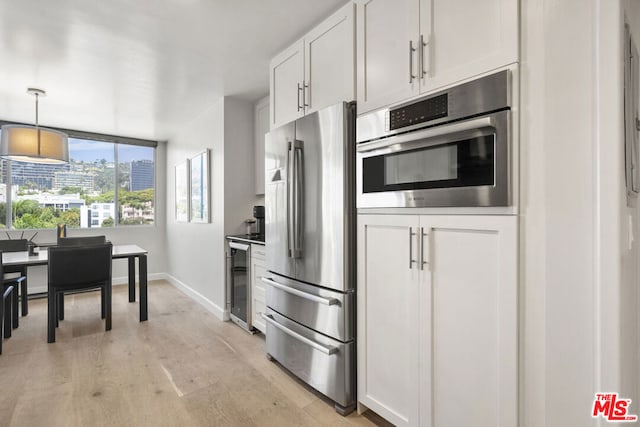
pixel 301 294
pixel 298 197
pixel 324 349
pixel 290 235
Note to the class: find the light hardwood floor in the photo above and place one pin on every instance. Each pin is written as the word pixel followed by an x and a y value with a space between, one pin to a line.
pixel 182 367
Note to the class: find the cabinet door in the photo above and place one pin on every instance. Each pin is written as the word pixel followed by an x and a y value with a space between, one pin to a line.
pixel 261 127
pixel 286 85
pixel 388 290
pixel 469 324
pixel 330 61
pixel 465 38
pixel 258 270
pixel 386 65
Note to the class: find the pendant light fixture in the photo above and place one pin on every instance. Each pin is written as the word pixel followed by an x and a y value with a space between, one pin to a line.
pixel 34 144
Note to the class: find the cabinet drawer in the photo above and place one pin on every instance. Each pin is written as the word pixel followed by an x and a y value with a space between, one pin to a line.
pixel 260 307
pixel 259 293
pixel 258 252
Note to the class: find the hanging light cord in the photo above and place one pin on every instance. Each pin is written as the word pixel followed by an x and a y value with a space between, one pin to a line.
pixel 37 96
pixel 37 127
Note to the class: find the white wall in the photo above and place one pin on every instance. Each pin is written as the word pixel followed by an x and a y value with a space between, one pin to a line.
pixel 238 156
pixel 196 252
pixel 579 299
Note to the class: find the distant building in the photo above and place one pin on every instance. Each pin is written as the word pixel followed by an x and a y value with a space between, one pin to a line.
pixel 34 175
pixel 61 202
pixel 144 215
pixel 101 211
pixel 86 181
pixel 141 175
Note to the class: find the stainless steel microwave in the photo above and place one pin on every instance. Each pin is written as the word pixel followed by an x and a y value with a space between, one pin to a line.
pixel 449 149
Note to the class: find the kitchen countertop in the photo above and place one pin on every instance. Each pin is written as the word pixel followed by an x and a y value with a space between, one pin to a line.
pixel 257 239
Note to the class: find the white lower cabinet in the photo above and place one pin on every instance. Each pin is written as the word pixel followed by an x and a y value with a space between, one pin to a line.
pixel 437 319
pixel 258 294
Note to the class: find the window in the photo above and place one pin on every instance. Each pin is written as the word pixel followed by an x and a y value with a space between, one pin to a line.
pixel 136 185
pixel 109 181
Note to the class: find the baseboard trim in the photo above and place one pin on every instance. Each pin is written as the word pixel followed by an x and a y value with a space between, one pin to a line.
pixel 124 280
pixel 197 297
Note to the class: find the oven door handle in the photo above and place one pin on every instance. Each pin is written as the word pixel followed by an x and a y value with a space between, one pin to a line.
pixel 323 348
pixel 451 129
pixel 301 294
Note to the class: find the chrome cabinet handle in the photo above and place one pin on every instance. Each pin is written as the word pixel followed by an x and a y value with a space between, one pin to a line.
pixel 305 89
pixel 411 260
pixel 298 103
pixel 411 50
pixel 421 53
pixel 324 349
pixel 422 258
pixel 301 294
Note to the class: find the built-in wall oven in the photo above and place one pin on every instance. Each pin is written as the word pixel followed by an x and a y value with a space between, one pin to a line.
pixel 452 148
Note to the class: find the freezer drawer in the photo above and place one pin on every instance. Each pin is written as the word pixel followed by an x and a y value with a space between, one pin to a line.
pixel 328 312
pixel 325 364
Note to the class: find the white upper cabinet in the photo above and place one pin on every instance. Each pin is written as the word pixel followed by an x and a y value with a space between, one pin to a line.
pixel 330 61
pixel 408 47
pixel 261 127
pixel 387 31
pixel 317 71
pixel 465 38
pixel 286 85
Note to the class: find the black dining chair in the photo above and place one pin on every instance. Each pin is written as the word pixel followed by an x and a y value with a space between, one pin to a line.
pixel 5 311
pixel 79 241
pixel 74 268
pixel 17 273
pixel 9 305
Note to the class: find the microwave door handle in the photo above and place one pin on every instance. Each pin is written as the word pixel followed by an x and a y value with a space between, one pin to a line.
pixel 451 129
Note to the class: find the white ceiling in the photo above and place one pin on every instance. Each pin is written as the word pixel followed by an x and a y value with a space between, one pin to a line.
pixel 141 68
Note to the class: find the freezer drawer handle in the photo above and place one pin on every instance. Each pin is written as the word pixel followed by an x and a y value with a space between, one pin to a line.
pixel 301 294
pixel 325 349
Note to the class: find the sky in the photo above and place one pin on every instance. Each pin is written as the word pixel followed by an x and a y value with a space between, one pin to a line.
pixel 90 151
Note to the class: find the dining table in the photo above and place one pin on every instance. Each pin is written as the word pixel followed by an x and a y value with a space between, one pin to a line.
pixel 130 252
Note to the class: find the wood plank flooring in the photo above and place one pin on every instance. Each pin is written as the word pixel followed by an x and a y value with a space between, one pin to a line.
pixel 182 367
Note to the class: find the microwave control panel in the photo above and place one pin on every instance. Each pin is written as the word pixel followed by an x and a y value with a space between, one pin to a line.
pixel 420 112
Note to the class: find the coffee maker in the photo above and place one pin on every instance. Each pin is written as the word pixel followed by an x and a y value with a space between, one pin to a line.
pixel 258 214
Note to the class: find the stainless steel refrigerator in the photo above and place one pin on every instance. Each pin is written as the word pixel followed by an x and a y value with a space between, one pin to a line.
pixel 310 241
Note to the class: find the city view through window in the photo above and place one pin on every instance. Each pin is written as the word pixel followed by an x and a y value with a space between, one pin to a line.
pixel 104 185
